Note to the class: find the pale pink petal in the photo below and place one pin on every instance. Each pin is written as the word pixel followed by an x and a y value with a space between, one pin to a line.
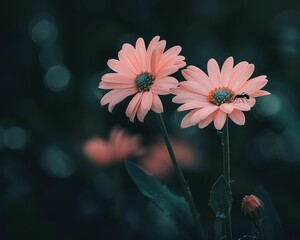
pixel 159 51
pixel 192 76
pixel 253 85
pixel 129 62
pixel 226 71
pixel 206 121
pixel 227 107
pixel 183 96
pixel 163 85
pixel 118 97
pixel 168 58
pixel 241 104
pixel 132 56
pixel 120 68
pixel 145 105
pixel 153 62
pixel 203 77
pixel 160 89
pixel 193 87
pixel 170 81
pixel 260 93
pixel 106 85
pixel 239 79
pixel 166 71
pixel 116 78
pixel 237 117
pixel 150 51
pixel 115 94
pixel 235 72
pixel 202 113
pixel 214 72
pixel 192 105
pixel 219 119
pixel 141 50
pixel 186 120
pixel 251 101
pixel 133 106
pixel 156 104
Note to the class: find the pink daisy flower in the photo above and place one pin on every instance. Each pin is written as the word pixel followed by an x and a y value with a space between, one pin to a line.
pixel 221 93
pixel 118 147
pixel 143 73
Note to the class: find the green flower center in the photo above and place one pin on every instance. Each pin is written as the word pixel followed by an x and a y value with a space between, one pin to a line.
pixel 143 81
pixel 220 95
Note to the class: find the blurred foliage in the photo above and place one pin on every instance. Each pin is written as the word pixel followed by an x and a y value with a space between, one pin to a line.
pixel 53 54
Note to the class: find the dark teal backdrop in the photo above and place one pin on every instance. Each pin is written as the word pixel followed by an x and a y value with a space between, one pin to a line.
pixel 53 54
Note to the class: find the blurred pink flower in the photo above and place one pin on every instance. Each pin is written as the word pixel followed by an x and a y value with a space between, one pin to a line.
pixel 119 147
pixel 143 73
pixel 157 159
pixel 220 93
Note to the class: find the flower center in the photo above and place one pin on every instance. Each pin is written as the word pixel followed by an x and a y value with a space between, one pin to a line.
pixel 143 81
pixel 220 95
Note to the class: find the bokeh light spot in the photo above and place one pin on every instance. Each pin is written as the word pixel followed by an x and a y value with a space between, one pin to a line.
pixel 44 32
pixel 57 78
pixel 268 106
pixel 56 163
pixel 15 138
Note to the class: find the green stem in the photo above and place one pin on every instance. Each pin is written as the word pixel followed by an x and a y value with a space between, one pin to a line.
pixel 185 188
pixel 226 172
pixel 258 226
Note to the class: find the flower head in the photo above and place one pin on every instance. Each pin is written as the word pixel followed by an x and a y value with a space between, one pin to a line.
pixel 252 207
pixel 118 147
pixel 157 159
pixel 212 97
pixel 143 73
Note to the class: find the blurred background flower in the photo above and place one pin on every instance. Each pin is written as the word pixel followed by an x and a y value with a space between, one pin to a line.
pixel 53 55
pixel 119 147
pixel 157 160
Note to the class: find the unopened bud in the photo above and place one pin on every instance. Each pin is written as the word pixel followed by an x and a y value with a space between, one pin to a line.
pixel 252 207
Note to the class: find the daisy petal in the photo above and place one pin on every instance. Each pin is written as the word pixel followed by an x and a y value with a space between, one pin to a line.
pixel 254 84
pixel 116 78
pixel 226 71
pixel 203 77
pixel 206 121
pixel 237 117
pixel 167 71
pixel 133 106
pixel 241 77
pixel 145 105
pixel 186 120
pixel 219 119
pixel 227 107
pixel 202 113
pixel 260 93
pixel 213 71
pixel 115 96
pixel 141 50
pixel 120 68
pixel 192 105
pixel 192 76
pixel 156 104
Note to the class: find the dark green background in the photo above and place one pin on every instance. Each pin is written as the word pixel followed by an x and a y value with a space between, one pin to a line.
pixel 49 190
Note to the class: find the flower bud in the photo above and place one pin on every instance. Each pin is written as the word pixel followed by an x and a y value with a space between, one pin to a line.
pixel 252 207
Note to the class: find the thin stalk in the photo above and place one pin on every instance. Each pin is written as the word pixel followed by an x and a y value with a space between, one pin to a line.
pixel 184 185
pixel 226 172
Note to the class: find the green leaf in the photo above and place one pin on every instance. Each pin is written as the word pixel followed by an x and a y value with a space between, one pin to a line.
pixel 173 206
pixel 220 197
